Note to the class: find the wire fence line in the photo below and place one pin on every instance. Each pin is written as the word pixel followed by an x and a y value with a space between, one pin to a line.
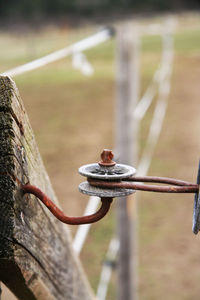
pixel 145 102
pixel 161 106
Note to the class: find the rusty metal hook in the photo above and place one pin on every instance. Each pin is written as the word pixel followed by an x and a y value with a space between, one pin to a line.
pixel 105 206
pixel 107 180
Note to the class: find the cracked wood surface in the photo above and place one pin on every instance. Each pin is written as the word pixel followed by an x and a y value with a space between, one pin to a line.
pixel 36 256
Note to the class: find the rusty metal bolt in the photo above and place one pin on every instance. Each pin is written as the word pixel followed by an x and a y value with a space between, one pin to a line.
pixel 107 169
pixel 106 159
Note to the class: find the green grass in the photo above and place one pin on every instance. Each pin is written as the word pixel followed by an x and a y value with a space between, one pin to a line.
pixel 151 44
pixel 23 47
pixel 187 42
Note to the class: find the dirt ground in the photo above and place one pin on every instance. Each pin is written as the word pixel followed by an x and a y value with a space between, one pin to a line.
pixel 169 260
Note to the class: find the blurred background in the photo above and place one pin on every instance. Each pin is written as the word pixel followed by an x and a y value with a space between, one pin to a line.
pixel 73 118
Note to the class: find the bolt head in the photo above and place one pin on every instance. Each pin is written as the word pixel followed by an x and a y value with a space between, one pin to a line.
pixel 106 158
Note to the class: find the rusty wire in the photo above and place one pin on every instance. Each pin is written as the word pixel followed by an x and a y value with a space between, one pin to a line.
pixel 179 186
pixel 157 179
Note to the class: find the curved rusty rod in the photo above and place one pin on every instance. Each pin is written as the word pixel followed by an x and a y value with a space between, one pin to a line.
pixel 193 188
pixel 105 206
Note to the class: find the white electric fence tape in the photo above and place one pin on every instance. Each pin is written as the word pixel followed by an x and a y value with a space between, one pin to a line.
pixel 80 46
pixel 106 271
pixel 80 62
pixel 161 106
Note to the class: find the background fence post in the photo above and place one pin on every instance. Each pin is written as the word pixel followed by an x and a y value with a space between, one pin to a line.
pixel 126 148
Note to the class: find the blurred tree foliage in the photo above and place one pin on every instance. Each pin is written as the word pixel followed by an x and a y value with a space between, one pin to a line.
pixel 28 8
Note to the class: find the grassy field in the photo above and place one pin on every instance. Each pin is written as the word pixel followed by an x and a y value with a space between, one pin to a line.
pixel 73 120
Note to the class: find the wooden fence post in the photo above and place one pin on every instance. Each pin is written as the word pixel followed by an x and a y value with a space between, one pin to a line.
pixel 126 146
pixel 36 256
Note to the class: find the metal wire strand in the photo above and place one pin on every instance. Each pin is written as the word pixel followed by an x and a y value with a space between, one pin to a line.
pixel 192 188
pixel 105 206
pixel 157 179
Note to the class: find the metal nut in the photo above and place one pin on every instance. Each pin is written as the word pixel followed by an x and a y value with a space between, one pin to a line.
pixel 117 172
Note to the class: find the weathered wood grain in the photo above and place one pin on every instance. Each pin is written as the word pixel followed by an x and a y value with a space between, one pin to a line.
pixel 36 257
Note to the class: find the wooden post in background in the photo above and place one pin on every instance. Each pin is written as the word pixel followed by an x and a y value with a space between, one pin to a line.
pixel 126 148
pixel 36 257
